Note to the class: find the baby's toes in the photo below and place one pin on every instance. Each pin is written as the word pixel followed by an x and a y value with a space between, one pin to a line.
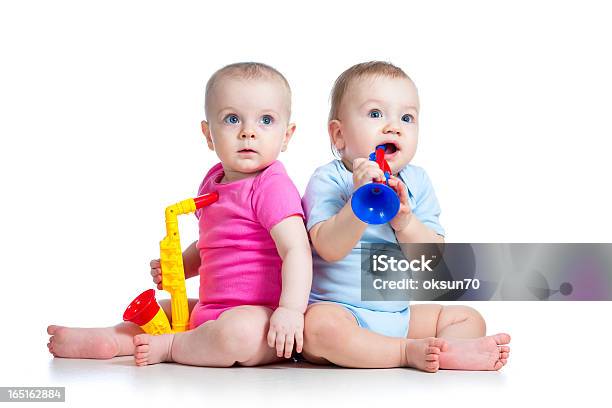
pixel 141 358
pixel 432 357
pixel 436 342
pixel 142 350
pixel 140 361
pixel 501 338
pixel 141 355
pixel 141 339
pixel 432 350
pixel 432 366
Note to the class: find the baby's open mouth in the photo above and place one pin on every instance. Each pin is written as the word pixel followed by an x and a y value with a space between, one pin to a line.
pixel 390 148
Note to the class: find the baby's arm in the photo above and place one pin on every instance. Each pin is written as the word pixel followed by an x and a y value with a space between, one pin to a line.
pixel 191 261
pixel 335 237
pixel 287 321
pixel 408 228
pixel 417 232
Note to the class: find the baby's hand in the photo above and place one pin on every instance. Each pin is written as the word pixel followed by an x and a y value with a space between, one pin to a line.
pixel 156 273
pixel 286 327
pixel 404 215
pixel 366 171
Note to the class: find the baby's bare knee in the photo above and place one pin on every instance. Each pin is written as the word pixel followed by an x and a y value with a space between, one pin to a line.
pixel 462 312
pixel 323 329
pixel 241 337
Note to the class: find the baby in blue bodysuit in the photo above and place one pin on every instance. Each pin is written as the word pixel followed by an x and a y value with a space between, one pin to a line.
pixel 372 104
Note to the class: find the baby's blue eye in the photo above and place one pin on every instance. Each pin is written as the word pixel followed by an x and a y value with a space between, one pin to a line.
pixel 375 113
pixel 231 119
pixel 267 119
pixel 408 118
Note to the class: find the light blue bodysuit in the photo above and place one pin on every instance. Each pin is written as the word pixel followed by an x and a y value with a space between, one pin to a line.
pixel 328 190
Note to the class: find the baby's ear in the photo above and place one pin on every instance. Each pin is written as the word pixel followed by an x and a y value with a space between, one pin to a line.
pixel 334 127
pixel 206 132
pixel 288 135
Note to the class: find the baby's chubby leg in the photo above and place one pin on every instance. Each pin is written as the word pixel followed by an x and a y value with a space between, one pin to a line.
pixel 237 336
pixel 464 330
pixel 456 321
pixel 102 342
pixel 332 335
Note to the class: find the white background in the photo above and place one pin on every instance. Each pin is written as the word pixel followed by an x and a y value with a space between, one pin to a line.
pixel 100 106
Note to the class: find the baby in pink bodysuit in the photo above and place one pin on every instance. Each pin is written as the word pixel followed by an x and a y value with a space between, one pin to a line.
pixel 252 255
pixel 239 259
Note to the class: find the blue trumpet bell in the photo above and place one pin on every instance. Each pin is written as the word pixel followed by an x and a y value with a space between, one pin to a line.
pixel 375 203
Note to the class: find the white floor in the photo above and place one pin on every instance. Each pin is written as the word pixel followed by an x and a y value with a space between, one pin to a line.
pixel 560 355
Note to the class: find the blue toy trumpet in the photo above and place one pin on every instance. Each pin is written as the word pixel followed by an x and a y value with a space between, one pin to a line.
pixel 376 202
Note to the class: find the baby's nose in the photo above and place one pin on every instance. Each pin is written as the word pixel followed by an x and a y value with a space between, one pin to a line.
pixel 247 134
pixel 391 128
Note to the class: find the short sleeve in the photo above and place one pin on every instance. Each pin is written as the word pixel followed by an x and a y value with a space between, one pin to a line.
pixel 427 208
pixel 325 195
pixel 205 182
pixel 275 197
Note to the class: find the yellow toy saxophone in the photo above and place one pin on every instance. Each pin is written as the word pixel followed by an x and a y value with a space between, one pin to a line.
pixel 144 310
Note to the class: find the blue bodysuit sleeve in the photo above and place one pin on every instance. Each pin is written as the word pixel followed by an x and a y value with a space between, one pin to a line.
pixel 427 208
pixel 326 194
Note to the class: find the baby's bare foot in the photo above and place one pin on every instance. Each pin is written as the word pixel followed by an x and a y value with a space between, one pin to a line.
pixel 152 349
pixel 423 354
pixel 483 353
pixel 74 342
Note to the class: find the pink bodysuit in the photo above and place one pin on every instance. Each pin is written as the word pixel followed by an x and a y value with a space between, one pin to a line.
pixel 240 263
